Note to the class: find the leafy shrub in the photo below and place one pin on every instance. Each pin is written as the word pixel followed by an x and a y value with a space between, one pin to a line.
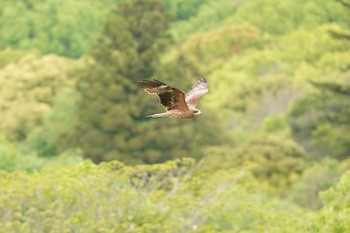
pixel 277 162
pixel 112 197
pixel 316 178
pixel 8 56
pixel 335 214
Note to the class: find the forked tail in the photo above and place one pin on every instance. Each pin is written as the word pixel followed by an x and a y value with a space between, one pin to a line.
pixel 163 114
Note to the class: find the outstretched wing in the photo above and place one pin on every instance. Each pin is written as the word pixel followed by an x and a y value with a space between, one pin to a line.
pixel 170 97
pixel 198 90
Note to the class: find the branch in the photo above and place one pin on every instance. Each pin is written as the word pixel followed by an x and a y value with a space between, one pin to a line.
pixel 176 186
pixel 346 4
pixel 344 35
pixel 333 87
pixel 194 217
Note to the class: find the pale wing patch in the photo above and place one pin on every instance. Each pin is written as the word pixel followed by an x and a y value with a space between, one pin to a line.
pixel 198 90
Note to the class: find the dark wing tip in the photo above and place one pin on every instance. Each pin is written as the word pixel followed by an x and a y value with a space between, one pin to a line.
pixel 157 81
pixel 149 83
pixel 142 83
pixel 203 80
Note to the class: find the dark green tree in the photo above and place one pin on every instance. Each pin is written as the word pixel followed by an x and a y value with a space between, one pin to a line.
pixel 111 113
pixel 320 120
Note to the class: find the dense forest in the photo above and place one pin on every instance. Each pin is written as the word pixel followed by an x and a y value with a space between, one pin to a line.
pixel 270 153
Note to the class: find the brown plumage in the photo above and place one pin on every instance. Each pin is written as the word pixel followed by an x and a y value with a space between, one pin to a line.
pixel 176 102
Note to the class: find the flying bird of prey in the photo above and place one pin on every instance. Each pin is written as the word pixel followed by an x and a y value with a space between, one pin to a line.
pixel 176 102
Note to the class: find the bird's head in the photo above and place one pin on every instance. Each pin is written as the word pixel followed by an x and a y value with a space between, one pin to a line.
pixel 197 112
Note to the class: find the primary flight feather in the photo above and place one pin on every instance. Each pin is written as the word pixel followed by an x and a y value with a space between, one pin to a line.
pixel 176 102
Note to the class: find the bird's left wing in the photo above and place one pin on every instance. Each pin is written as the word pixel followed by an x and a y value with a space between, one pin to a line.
pixel 170 97
pixel 198 90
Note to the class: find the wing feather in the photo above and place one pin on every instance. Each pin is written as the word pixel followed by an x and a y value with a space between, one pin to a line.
pixel 198 90
pixel 170 97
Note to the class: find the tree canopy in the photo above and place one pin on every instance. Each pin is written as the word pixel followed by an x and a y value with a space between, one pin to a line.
pixel 270 153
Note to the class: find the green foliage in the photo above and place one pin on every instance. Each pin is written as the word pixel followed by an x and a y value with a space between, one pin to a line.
pixel 183 9
pixel 287 16
pixel 208 16
pixel 333 217
pixel 50 26
pixel 324 113
pixel 211 49
pixel 277 162
pixel 8 56
pixel 125 53
pixel 316 178
pixel 170 199
pixel 268 76
pixel 274 17
pixel 27 89
pixel 278 71
pixel 319 122
pixel 332 140
pixel 275 123
pixel 7 153
pixel 53 135
pixel 11 158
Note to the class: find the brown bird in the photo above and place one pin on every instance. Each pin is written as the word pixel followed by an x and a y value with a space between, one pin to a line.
pixel 176 102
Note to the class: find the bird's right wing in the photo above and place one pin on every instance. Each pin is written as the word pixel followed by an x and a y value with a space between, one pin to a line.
pixel 198 90
pixel 170 97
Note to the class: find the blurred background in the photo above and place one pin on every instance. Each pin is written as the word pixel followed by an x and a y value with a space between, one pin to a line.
pixel 278 72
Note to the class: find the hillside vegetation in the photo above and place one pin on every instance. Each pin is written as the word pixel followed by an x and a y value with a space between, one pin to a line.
pixel 270 153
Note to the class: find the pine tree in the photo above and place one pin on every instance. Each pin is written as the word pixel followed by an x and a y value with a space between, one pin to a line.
pixel 111 113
